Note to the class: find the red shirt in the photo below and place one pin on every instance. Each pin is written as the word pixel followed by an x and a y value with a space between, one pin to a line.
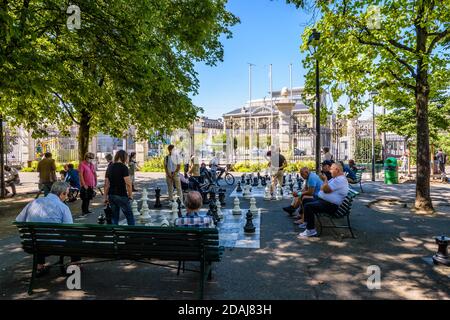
pixel 87 171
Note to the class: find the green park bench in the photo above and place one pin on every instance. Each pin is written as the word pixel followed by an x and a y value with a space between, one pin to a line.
pixel 343 212
pixel 113 242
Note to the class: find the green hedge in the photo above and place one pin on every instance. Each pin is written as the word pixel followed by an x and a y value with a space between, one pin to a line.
pixel 156 164
pixel 59 166
pixel 247 166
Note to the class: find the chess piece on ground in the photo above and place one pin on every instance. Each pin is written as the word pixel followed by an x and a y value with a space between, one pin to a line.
pixel 255 182
pixel 253 208
pixel 260 186
pixel 222 193
pixel 238 189
pixel 249 227
pixel 165 222
pixel 158 198
pixel 267 195
pixel 243 178
pixel 284 180
pixel 441 256
pixel 236 210
pixel 205 197
pixel 247 194
pixel 219 209
pixel 212 196
pixel 101 219
pixel 145 216
pixel 263 181
pixel 287 194
pixel 174 210
pixel 278 194
pixel 291 187
pixel 179 207
pixel 134 208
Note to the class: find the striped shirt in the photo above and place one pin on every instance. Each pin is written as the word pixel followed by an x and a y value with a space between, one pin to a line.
pixel 195 221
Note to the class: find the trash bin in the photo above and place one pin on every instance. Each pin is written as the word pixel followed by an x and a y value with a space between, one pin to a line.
pixel 390 171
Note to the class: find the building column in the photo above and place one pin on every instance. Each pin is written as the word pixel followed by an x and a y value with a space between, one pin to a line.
pixel 285 111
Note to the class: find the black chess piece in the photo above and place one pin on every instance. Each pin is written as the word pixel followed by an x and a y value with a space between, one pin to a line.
pixel 101 219
pixel 158 198
pixel 284 180
pixel 255 182
pixel 222 197
pixel 243 179
pixel 263 181
pixel 238 189
pixel 290 179
pixel 249 227
pixel 179 207
pixel 299 184
pixel 259 176
pixel 212 196
pixel 205 197
pixel 291 186
pixel 248 181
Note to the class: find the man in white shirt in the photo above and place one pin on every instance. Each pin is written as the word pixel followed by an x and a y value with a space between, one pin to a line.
pixel 331 195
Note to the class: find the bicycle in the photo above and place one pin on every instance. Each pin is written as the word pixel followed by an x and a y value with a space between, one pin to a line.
pixel 225 175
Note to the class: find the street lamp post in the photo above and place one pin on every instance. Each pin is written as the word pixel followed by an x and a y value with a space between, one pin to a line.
pixel 373 94
pixel 2 172
pixel 313 42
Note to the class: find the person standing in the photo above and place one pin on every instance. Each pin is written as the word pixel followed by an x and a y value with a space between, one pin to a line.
pixel 47 173
pixel 172 168
pixel 327 156
pixel 441 159
pixel 118 188
pixel 277 165
pixel 88 181
pixel 133 167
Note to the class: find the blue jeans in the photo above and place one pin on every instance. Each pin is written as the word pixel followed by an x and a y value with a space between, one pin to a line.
pixel 120 202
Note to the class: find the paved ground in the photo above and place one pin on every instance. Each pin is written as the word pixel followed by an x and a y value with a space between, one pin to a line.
pixel 330 267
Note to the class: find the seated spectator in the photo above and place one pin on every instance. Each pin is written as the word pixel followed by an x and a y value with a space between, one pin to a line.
pixel 11 179
pixel 51 209
pixel 62 175
pixel 349 173
pixel 193 203
pixel 309 192
pixel 326 165
pixel 73 177
pixel 331 195
pixel 352 165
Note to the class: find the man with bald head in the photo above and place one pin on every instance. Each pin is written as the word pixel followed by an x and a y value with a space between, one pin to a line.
pixel 193 203
pixel 310 190
pixel 331 195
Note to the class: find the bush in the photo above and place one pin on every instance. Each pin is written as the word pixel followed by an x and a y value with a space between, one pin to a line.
pixel 59 166
pixel 156 164
pixel 247 166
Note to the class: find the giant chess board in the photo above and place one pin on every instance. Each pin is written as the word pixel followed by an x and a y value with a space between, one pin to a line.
pixel 256 192
pixel 231 227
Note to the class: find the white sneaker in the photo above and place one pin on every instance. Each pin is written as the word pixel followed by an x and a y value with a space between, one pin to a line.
pixel 303 225
pixel 308 233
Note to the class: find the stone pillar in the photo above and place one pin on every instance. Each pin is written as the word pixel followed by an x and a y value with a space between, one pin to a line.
pixel 285 107
pixel 141 151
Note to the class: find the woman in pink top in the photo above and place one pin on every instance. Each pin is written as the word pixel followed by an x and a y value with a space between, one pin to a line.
pixel 88 181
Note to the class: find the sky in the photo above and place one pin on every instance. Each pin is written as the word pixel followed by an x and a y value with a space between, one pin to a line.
pixel 269 33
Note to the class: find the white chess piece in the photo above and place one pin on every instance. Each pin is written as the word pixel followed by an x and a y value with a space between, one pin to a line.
pixel 248 194
pixel 260 186
pixel 278 193
pixel 253 208
pixel 145 216
pixel 267 195
pixel 174 211
pixel 219 207
pixel 165 222
pixel 287 192
pixel 134 208
pixel 236 209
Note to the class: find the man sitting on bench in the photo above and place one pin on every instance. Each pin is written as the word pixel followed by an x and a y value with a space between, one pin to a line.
pixel 51 209
pixel 331 195
pixel 193 203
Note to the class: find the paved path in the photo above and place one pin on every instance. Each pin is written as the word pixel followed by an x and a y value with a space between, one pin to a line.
pixel 284 267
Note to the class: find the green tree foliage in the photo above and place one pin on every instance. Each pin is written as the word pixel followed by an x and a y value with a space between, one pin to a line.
pixel 400 48
pixel 131 63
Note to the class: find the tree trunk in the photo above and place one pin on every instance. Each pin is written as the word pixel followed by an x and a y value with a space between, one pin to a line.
pixel 83 135
pixel 423 202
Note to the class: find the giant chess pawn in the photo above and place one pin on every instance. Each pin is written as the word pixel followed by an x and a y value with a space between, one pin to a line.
pixel 238 189
pixel 267 195
pixel 249 227
pixel 236 210
pixel 255 182
pixel 165 222
pixel 134 208
pixel 260 186
pixel 158 198
pixel 253 208
pixel 243 178
pixel 174 211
